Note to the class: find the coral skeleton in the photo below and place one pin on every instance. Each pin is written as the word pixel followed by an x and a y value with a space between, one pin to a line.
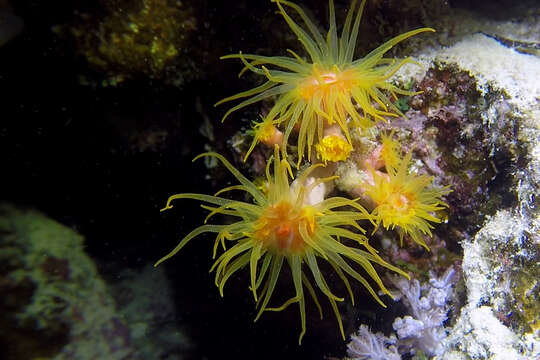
pixel 429 307
pixel 366 345
pixel 422 330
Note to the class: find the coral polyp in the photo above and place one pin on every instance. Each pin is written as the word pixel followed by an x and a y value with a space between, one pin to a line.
pixel 288 224
pixel 405 200
pixel 329 88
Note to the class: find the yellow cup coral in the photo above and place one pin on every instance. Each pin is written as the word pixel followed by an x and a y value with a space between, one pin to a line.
pixel 405 200
pixel 284 225
pixel 326 89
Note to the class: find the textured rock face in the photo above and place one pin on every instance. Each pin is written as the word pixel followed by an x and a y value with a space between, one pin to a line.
pixel 500 320
pixel 500 263
pixel 484 96
pixel 57 306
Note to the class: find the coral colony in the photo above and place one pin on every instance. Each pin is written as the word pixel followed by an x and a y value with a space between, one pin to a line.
pixel 320 102
pixel 423 331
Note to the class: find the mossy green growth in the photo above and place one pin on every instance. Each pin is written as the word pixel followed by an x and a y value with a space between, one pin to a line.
pixel 402 103
pixel 135 38
pixel 54 303
pixel 526 294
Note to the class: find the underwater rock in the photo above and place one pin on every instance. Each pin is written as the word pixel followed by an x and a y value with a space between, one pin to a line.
pixel 56 306
pixel 477 127
pixel 501 318
pixel 500 264
pixel 148 38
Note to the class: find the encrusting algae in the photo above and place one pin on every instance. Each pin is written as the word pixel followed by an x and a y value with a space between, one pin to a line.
pixel 329 88
pixel 295 222
pixel 280 226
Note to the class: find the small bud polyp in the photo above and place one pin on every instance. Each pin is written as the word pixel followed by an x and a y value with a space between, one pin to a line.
pixel 270 135
pixel 333 146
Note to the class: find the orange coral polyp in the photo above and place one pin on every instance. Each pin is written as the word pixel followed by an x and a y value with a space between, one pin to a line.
pixel 278 228
pixel 400 202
